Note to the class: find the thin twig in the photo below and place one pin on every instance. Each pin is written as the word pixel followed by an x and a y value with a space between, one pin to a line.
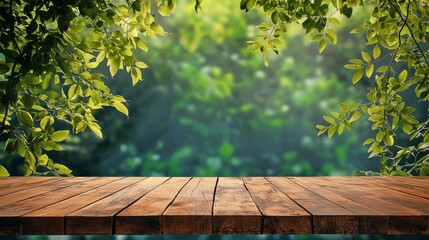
pixel 409 28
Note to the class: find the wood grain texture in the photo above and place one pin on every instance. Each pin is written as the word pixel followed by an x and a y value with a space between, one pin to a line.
pixel 191 211
pixel 15 184
pixel 328 217
pixel 144 216
pixel 97 218
pixel 51 219
pixel 378 199
pixel 26 193
pixel 281 215
pixel 10 214
pixel 185 205
pixel 370 221
pixel 234 211
pixel 421 190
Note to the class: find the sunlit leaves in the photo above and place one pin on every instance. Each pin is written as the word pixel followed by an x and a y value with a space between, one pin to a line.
pixel 59 136
pixel 51 62
pixel 62 169
pixel 3 172
pixel 96 129
pixel 120 107
pixel 366 57
pixel 322 45
pixel 357 76
pixel 25 118
pixel 376 51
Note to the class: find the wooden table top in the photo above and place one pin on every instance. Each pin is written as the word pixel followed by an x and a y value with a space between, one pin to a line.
pixel 185 205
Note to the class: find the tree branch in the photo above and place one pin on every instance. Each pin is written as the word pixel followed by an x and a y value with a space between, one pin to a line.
pixel 409 28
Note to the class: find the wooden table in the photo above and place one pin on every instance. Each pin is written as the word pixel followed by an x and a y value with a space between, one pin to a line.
pixel 184 205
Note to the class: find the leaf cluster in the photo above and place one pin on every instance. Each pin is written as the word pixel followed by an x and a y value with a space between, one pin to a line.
pixel 50 83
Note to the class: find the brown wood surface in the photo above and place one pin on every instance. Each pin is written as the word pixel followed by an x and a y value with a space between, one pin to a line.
pixel 234 210
pixel 144 216
pixel 15 184
pixel 185 205
pixel 369 195
pixel 97 218
pixel 191 211
pixel 50 219
pixel 281 215
pixel 9 214
pixel 52 185
pixel 328 216
pixel 371 221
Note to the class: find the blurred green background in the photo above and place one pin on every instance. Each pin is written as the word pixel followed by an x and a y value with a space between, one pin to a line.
pixel 208 107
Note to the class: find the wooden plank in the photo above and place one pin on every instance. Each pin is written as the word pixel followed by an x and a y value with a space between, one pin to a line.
pixel 234 211
pixel 400 186
pixel 51 219
pixel 191 211
pixel 97 218
pixel 328 217
pixel 15 184
pixel 144 216
pixel 421 182
pixel 9 214
pixel 399 215
pixel 40 189
pixel 281 215
pixel 370 221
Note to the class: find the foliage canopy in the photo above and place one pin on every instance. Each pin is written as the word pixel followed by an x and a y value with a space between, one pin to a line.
pixel 50 51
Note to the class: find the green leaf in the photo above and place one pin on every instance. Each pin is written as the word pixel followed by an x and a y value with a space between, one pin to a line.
pixel 336 115
pixel 341 128
pixel 25 118
pixel 114 65
pixel 59 136
pixel 389 140
pixel 49 146
pixel 407 127
pixel 136 75
pixel 369 70
pixel 43 160
pixel 403 76
pixel 380 136
pixel 140 64
pixel 95 128
pixel 344 107
pixel 322 45
pixel 368 141
pixel 30 160
pixel 331 36
pixel 332 129
pixel 73 91
pixel 318 126
pixel 334 21
pixel 376 51
pixel 61 169
pixel 3 172
pixel 157 29
pixel 46 121
pixel 357 76
pixel 81 126
pixel 20 148
pixel 250 4
pixel 121 107
pixel 356 115
pixel 321 131
pixel 366 57
pixel 329 119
